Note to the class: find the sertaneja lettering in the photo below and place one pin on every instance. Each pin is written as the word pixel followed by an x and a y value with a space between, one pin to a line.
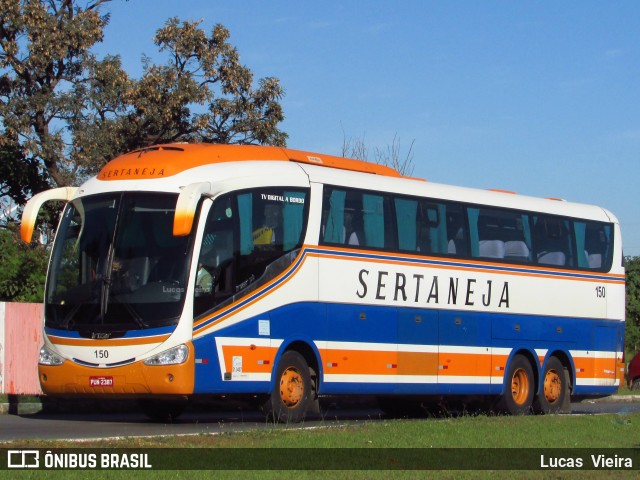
pixel 435 290
pixel 132 172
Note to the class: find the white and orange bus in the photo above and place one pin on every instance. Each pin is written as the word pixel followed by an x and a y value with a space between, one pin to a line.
pixel 183 270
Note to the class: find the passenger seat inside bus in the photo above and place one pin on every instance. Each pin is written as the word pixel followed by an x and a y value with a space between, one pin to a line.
pixel 490 244
pixel 595 246
pixel 516 250
pixel 491 248
pixel 552 258
pixel 551 242
pixel 516 247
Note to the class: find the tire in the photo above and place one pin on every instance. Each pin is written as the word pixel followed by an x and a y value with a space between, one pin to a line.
pixel 292 393
pixel 553 388
pixel 519 387
pixel 635 385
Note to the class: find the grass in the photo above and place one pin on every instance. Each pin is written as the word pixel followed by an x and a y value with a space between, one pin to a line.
pixel 551 431
pixel 593 432
pixel 624 390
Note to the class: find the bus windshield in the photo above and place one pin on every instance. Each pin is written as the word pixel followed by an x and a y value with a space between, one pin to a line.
pixel 116 265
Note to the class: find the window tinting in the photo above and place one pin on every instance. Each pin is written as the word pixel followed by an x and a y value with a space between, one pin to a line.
pixel 249 237
pixel 355 218
pixel 553 241
pixel 498 233
pixel 436 227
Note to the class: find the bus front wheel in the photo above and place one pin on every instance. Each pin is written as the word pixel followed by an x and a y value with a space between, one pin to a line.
pixel 519 387
pixel 291 396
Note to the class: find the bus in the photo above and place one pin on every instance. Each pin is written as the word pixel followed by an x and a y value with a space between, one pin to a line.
pixel 184 271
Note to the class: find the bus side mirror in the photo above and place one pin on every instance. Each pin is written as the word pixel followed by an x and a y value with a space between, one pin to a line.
pixel 186 207
pixel 31 209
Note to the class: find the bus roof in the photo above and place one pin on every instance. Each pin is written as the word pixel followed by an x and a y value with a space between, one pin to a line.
pixel 160 161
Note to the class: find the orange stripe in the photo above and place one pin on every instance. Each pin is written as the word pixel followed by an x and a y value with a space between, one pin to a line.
pixel 359 362
pixel 468 364
pixel 251 356
pixel 417 363
pixel 595 367
pixel 498 364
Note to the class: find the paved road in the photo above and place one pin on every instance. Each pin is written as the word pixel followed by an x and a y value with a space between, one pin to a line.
pixel 133 424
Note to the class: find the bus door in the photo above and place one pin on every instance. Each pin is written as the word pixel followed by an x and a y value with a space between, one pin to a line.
pixel 369 354
pixel 417 350
pixel 464 353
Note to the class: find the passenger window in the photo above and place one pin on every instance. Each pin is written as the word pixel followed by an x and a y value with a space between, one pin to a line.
pixel 353 218
pixel 552 241
pixel 593 242
pixel 409 225
pixel 457 231
pixel 500 234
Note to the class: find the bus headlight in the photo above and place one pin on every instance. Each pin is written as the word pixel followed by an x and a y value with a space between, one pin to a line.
pixel 173 356
pixel 47 357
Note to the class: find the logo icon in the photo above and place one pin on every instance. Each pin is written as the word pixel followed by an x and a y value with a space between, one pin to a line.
pixel 23 459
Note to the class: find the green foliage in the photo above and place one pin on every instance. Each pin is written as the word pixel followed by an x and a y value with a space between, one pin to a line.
pixel 632 333
pixel 23 269
pixel 20 177
pixel 70 112
pixel 64 112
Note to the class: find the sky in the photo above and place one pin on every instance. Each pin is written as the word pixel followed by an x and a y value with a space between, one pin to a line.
pixel 537 97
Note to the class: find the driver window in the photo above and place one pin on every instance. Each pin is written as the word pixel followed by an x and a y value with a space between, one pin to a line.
pixel 215 273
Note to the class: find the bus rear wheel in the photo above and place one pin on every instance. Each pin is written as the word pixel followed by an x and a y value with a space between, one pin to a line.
pixel 292 392
pixel 519 387
pixel 554 388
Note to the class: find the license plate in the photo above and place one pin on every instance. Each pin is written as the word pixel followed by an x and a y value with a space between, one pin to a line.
pixel 101 381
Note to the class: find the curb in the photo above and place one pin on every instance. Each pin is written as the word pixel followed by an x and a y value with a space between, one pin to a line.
pixel 614 399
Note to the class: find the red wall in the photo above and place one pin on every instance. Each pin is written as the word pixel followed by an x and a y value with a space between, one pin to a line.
pixel 20 347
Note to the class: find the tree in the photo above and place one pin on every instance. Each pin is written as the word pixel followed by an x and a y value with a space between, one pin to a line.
pixel 19 179
pixel 23 267
pixel 68 112
pixel 390 156
pixel 64 112
pixel 632 332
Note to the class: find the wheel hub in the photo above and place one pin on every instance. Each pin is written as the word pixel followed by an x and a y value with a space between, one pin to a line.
pixel 291 387
pixel 520 386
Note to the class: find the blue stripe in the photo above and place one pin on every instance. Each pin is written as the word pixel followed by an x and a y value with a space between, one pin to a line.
pixel 308 321
pixel 49 331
